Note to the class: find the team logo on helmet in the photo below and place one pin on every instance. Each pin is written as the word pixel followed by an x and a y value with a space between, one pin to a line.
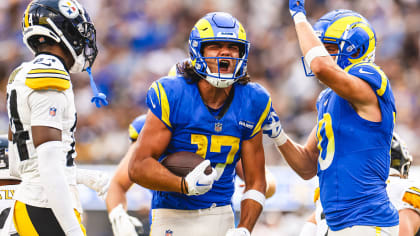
pixel 68 9
pixel 63 21
pixel 351 32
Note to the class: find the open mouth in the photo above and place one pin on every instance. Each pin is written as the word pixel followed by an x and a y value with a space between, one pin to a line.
pixel 224 65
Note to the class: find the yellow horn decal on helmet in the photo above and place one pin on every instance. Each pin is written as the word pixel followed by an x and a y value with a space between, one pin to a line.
pixel 372 43
pixel 336 29
pixel 241 32
pixel 204 29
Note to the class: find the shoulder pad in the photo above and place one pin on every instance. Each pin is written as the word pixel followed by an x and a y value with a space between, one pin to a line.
pixel 13 74
pixel 173 71
pixel 136 126
pixel 364 69
pixel 372 74
pixel 261 101
pixel 132 132
pixel 47 73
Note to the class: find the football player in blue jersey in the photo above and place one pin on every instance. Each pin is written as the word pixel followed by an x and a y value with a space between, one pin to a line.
pixel 126 225
pixel 212 109
pixel 349 148
pixel 403 192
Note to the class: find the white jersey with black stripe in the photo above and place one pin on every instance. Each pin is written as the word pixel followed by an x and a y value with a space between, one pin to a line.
pixel 40 94
pixel 404 193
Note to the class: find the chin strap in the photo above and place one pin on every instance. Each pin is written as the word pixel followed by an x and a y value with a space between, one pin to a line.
pixel 98 97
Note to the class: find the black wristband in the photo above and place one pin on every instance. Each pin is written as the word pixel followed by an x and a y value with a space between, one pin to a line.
pixel 182 185
pixel 184 188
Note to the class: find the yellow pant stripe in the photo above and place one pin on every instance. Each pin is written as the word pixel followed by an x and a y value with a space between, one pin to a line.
pixel 23 223
pixel 378 231
pixel 79 218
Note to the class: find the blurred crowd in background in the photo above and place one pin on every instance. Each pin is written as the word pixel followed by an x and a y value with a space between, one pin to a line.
pixel 139 41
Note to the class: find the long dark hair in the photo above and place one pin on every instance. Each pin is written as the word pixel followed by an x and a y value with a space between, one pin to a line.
pixel 186 69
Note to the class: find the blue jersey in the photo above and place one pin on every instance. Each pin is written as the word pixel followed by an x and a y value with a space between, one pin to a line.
pixel 354 159
pixel 136 126
pixel 195 128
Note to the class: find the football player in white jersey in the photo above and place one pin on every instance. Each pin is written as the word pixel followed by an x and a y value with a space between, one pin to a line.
pixel 42 115
pixel 404 194
pixel 93 179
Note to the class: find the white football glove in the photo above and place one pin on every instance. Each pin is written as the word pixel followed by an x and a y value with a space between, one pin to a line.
pixel 122 223
pixel 198 182
pixel 273 129
pixel 96 180
pixel 241 231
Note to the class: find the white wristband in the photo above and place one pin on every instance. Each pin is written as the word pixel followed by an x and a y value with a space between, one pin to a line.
pixel 254 195
pixel 281 138
pixel 299 17
pixel 317 51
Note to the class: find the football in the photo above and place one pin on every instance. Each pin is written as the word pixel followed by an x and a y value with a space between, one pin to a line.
pixel 182 163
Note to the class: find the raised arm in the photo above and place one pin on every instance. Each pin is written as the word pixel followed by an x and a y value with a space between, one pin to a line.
pixel 355 90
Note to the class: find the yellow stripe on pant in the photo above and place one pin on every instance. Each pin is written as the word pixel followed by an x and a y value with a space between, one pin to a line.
pixel 27 221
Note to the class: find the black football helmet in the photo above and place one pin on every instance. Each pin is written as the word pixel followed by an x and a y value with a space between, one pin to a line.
pixel 401 159
pixel 67 23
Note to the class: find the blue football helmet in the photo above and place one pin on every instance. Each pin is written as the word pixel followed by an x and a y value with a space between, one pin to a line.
pixel 218 26
pixel 65 22
pixel 351 32
pixel 401 159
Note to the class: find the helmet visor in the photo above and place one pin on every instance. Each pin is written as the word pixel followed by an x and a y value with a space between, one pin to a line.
pixel 88 33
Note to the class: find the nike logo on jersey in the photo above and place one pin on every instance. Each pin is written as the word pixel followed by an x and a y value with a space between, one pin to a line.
pixel 151 101
pixel 198 184
pixel 45 64
pixel 361 71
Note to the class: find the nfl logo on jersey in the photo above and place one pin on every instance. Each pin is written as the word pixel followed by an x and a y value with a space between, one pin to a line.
pixel 218 127
pixel 53 111
pixel 168 232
